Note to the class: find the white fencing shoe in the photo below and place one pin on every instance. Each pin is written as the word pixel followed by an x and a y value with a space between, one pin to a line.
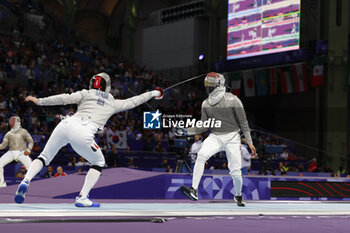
pixel 85 202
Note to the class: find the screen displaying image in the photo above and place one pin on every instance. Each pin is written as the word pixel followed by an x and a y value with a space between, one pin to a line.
pixel 257 27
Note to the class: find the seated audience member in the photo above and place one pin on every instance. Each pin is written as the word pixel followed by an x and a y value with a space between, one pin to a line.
pixel 112 157
pixel 285 154
pixel 19 175
pixel 23 170
pixel 159 147
pixel 313 165
pixel 168 169
pixel 131 163
pixel 301 168
pixel 59 172
pixel 164 163
pixel 282 167
pixel 246 157
pixel 341 172
pixel 72 162
pixel 36 147
pixel 42 142
pixel 223 166
pixel 292 156
pixel 82 162
pixel 49 173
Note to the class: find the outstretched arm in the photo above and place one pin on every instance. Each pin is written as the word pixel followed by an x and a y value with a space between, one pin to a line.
pixel 5 142
pixel 61 99
pixel 122 105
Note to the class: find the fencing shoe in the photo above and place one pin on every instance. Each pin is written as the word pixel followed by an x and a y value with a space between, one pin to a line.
pixel 191 193
pixel 21 191
pixel 240 201
pixel 85 202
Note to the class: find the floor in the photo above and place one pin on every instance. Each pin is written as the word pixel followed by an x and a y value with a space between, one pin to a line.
pixel 178 216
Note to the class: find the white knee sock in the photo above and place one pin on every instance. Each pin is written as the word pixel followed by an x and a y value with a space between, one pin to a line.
pixel 237 184
pixel 34 169
pixel 90 181
pixel 197 173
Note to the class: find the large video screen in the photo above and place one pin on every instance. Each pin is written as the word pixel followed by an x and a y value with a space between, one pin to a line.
pixel 257 27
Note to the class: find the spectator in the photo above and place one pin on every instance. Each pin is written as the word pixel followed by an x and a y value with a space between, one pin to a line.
pixel 49 173
pixel 36 147
pixel 131 163
pixel 285 154
pixel 246 157
pixel 164 163
pixel 292 157
pixel 159 147
pixel 59 172
pixel 72 162
pixel 223 166
pixel 341 172
pixel 80 170
pixel 42 142
pixel 21 172
pixel 82 162
pixel 195 147
pixel 283 167
pixel 19 175
pixel 301 168
pixel 112 157
pixel 313 165
pixel 168 169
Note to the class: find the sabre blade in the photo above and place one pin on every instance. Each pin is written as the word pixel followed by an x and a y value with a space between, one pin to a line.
pixel 184 81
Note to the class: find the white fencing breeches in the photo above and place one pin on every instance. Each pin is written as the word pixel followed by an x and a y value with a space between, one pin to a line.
pixel 80 134
pixel 231 144
pixel 11 155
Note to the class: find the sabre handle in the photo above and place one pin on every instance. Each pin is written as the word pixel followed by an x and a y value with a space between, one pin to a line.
pixel 161 93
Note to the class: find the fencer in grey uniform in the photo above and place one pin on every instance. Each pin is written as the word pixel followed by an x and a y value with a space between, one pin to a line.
pixel 95 107
pixel 16 139
pixel 227 108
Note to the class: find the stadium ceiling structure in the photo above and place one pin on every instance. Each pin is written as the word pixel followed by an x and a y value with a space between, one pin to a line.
pixel 104 7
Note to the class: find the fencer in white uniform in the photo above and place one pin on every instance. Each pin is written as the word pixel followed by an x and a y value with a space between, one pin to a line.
pixel 95 107
pixel 226 107
pixel 17 139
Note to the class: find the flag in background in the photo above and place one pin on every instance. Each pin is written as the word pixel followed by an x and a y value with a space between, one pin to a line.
pixel 286 81
pixel 300 77
pixel 118 138
pixel 317 73
pixel 236 80
pixel 261 82
pixel 249 83
pixel 273 80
